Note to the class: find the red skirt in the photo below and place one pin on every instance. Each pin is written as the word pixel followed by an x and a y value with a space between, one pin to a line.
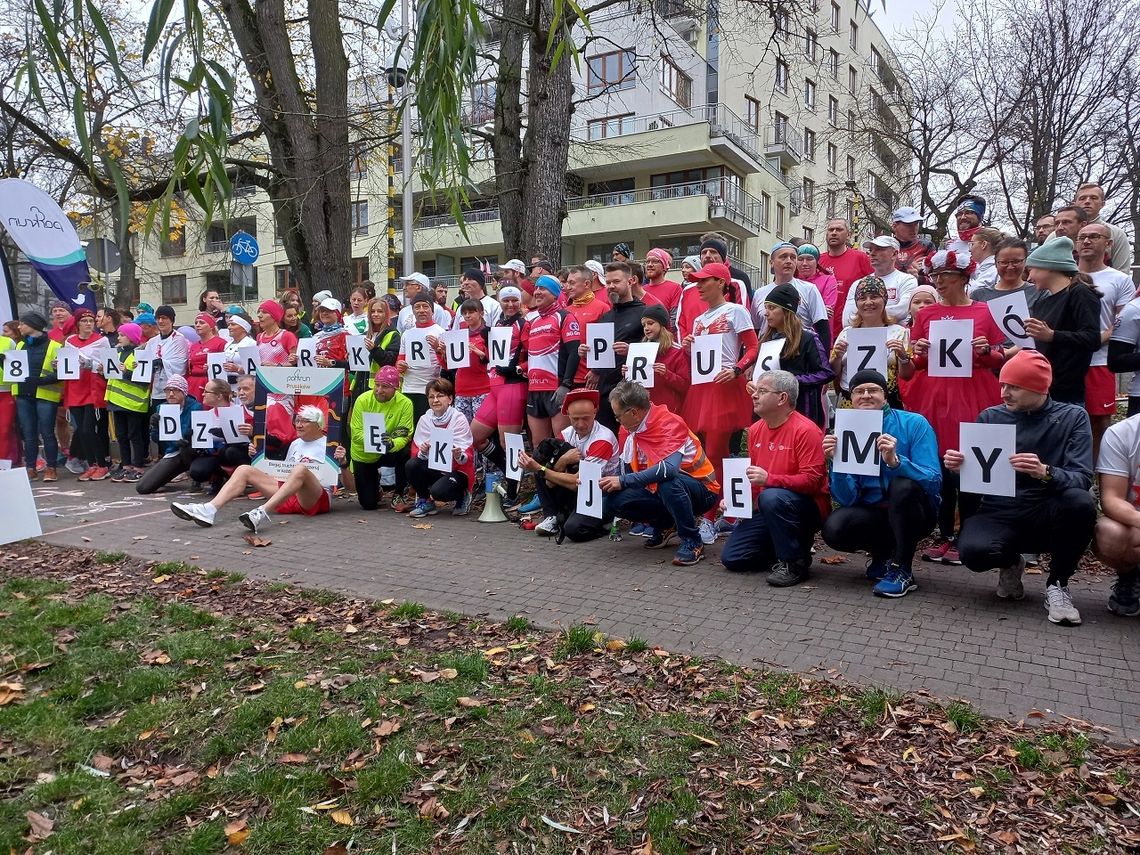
pixel 718 407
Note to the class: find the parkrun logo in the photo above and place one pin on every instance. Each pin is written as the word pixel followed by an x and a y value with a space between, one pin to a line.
pixel 37 221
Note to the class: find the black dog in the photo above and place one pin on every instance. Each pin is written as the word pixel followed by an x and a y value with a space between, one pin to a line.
pixel 549 452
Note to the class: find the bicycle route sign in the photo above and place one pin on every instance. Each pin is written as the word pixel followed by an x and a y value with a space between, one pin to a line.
pixel 244 248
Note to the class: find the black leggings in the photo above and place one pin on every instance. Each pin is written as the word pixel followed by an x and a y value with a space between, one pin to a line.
pixel 211 466
pixel 954 499
pixel 367 475
pixel 441 486
pixel 130 431
pixel 163 471
pixel 891 531
pixel 92 439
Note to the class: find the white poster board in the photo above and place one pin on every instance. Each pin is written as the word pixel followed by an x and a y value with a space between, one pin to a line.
pixel 357 350
pixel 169 422
pixel 951 349
pixel 768 359
pixel 457 347
pixel 857 435
pixel 201 423
pixel 67 363
pixel 513 450
pixel 499 343
pixel 439 449
pixel 19 520
pixel 590 489
pixel 866 349
pixel 987 449
pixel 1010 312
pixel 737 490
pixel 706 355
pixel 374 430
pixel 600 346
pixel 639 362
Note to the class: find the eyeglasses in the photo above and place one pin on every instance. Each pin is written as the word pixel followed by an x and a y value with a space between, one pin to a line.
pixel 1092 237
pixel 866 390
pixel 759 391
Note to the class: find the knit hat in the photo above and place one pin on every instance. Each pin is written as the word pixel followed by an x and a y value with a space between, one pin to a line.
pixel 657 312
pixel 543 264
pixel 146 319
pixel 976 204
pixel 694 261
pixel 715 243
pixel 208 319
pixel 176 381
pixel 785 297
pixel 550 284
pixel 273 309
pixel 1028 369
pixel 624 249
pixel 59 304
pixel 79 314
pixel 388 376
pixel 422 298
pixel 510 291
pixel 144 309
pixel 924 289
pixel 868 375
pixel 947 260
pixel 716 270
pixel 871 285
pixel 35 320
pixel 661 255
pixel 476 274
pixel 234 309
pixel 321 296
pixel 164 312
pixel 808 249
pixel 133 332
pixel 591 395
pixel 1057 254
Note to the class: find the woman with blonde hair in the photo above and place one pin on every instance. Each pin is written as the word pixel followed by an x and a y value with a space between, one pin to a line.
pixel 802 354
pixel 871 313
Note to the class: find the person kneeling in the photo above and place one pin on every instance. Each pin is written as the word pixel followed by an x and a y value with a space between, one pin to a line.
pixel 300 493
pixel 1053 510
pixel 585 439
pixel 789 482
pixel 1117 541
pixel 886 514
pixel 665 479
pixel 396 408
pixel 435 485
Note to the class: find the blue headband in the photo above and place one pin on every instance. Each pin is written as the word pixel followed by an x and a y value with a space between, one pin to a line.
pixel 550 284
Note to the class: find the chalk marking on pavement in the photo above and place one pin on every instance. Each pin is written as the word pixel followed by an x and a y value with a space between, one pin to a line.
pixel 104 522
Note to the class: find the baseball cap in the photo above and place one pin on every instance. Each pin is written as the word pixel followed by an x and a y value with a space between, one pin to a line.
pixel 321 296
pixel 596 268
pixel 716 270
pixel 515 265
pixel 417 277
pixel 906 215
pixel 884 241
pixel 331 303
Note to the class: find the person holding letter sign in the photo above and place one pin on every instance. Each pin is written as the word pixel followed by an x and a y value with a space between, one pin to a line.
pixel 550 338
pixel 177 455
pixel 787 481
pixel 670 368
pixel 421 353
pixel 86 400
pixel 870 300
pixel 128 402
pixel 802 353
pixel 665 478
pixel 946 402
pixel 390 448
pixel 1053 510
pixel 300 493
pixel 38 393
pixel 888 513
pixel 625 313
pixel 431 482
pixel 716 410
pixel 208 342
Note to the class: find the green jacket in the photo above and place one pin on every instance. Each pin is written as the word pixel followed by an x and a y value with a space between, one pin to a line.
pixel 398 423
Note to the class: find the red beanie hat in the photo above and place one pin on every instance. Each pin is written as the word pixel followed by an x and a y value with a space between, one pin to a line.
pixel 1029 370
pixel 273 309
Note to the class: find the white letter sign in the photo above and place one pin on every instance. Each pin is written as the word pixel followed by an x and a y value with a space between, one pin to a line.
pixel 306 353
pixel 857 435
pixel 457 344
pixel 357 353
pixel 590 489
pixel 737 490
pixel 416 350
pixel 15 366
pixel 499 342
pixel 143 371
pixel 866 349
pixel 439 449
pixel 600 345
pixel 639 362
pixel 951 352
pixel 216 365
pixel 201 423
pixel 768 359
pixel 1010 312
pixel 374 428
pixel 987 449
pixel 169 422
pixel 67 363
pixel 513 450
pixel 706 355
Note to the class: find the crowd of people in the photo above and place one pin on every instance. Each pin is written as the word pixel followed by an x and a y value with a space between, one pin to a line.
pixel 529 394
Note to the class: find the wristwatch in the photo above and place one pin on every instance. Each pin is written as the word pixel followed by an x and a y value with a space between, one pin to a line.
pixel 1048 474
pixel 736 370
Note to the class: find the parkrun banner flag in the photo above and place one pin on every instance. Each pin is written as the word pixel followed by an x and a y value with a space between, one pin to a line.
pixel 45 235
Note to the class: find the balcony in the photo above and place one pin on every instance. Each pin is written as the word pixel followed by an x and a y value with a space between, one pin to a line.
pixel 784 142
pixel 696 205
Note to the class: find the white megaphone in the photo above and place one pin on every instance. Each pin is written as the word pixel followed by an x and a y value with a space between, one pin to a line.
pixel 493 504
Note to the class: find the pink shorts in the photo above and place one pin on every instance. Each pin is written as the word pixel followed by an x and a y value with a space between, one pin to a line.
pixel 1100 391
pixel 506 405
pixel 293 506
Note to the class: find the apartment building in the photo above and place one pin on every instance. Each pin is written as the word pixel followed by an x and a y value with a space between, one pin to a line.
pixel 688 120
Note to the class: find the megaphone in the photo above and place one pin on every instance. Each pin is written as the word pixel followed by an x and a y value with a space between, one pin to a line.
pixel 493 505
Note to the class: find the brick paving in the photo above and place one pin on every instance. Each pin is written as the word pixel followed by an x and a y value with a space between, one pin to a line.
pixel 953 638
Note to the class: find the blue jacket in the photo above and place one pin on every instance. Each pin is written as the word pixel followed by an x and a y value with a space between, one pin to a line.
pixel 918 460
pixel 190 405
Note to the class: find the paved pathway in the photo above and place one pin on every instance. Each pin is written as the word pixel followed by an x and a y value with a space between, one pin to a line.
pixel 952 638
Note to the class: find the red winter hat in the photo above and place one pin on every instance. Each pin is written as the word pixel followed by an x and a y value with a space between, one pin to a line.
pixel 1029 370
pixel 591 395
pixel 273 309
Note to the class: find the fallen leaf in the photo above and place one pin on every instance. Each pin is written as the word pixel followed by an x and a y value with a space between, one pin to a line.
pixel 615 644
pixel 421 526
pixel 140 537
pixel 254 540
pixel 350 629
pixel 10 692
pixel 386 727
pixel 1009 838
pixel 387 602
pixel 341 817
pixel 41 826
pixel 1106 799
pixel 833 559
pixel 154 657
pixel 432 809
pixel 468 702
pixel 864 760
pixel 336 849
pixel 977 792
pixel 448 673
pixel 294 758
pixel 557 826
pixel 237 832
pixel 702 739
pixel 158 580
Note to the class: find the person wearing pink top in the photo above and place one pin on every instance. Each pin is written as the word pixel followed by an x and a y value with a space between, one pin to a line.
pixel 808 269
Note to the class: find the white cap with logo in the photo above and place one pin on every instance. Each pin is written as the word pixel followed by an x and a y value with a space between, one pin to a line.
pixel 906 215
pixel 885 242
pixel 418 278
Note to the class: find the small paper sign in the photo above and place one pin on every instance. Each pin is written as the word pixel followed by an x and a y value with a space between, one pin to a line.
pixel 169 422
pixel 201 423
pixel 112 368
pixel 706 356
pixel 67 363
pixel 249 359
pixel 590 489
pixel 15 366
pixel 216 365
pixel 1010 312
pixel 951 349
pixel 457 347
pixel 737 490
pixel 857 435
pixel 20 519
pixel 987 449
pixel 866 349
pixel 374 430
pixel 499 343
pixel 143 372
pixel 439 449
pixel 768 359
pixel 600 346
pixel 307 353
pixel 229 419
pixel 639 362
pixel 514 450
pixel 357 349
pixel 417 352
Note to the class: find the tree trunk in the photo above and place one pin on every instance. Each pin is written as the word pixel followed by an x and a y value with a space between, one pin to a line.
pixel 507 144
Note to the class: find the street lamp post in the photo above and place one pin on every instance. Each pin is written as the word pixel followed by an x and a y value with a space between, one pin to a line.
pixel 396 80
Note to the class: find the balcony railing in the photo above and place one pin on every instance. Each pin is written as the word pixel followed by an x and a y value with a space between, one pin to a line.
pixel 482 215
pixel 722 122
pixel 787 136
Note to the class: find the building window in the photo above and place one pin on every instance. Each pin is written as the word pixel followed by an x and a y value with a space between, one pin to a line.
pixel 358 212
pixel 832 157
pixel 779 220
pixel 609 126
pixel 854 36
pixel 674 81
pixel 174 289
pixel 809 143
pixel 611 71
pixel 809 235
pixel 833 64
pixel 850 211
pixel 765 211
pixel 782 28
pixel 752 110
pixel 809 94
pixel 284 280
pixel 173 247
pixel 833 111
pixel 616 191
pixel 809 193
pixel 831 198
pixel 850 168
pixel 852 78
pixel 835 17
pixel 483 102
pixel 811 45
pixel 781 127
pixel 876 61
pixel 851 121
pixel 360 270
pixel 218 239
pixel 357 163
pixel 781 76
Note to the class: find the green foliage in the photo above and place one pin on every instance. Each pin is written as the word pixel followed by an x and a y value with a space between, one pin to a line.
pixel 577 639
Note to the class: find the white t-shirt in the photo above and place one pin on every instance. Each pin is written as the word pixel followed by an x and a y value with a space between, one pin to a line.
pixel 900 288
pixel 1116 291
pixel 311 451
pixel 418 376
pixel 357 324
pixel 1127 329
pixel 1120 454
pixel 729 319
pixel 812 309
pixel 598 446
pixel 491 312
pixel 985 276
pixel 407 319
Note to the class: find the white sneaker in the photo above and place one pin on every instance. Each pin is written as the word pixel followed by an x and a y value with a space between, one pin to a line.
pixel 707 531
pixel 1060 605
pixel 202 514
pixel 547 527
pixel 254 519
pixel 1010 586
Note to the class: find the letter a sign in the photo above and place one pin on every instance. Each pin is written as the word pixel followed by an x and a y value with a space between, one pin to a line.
pixel 857 435
pixel 951 352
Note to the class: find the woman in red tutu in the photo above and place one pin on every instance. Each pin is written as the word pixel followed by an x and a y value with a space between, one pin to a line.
pixel 715 411
pixel 946 402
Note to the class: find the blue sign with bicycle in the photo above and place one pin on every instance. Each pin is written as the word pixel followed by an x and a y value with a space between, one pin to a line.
pixel 244 248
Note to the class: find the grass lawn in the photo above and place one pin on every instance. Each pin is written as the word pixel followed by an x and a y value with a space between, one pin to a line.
pixel 165 708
